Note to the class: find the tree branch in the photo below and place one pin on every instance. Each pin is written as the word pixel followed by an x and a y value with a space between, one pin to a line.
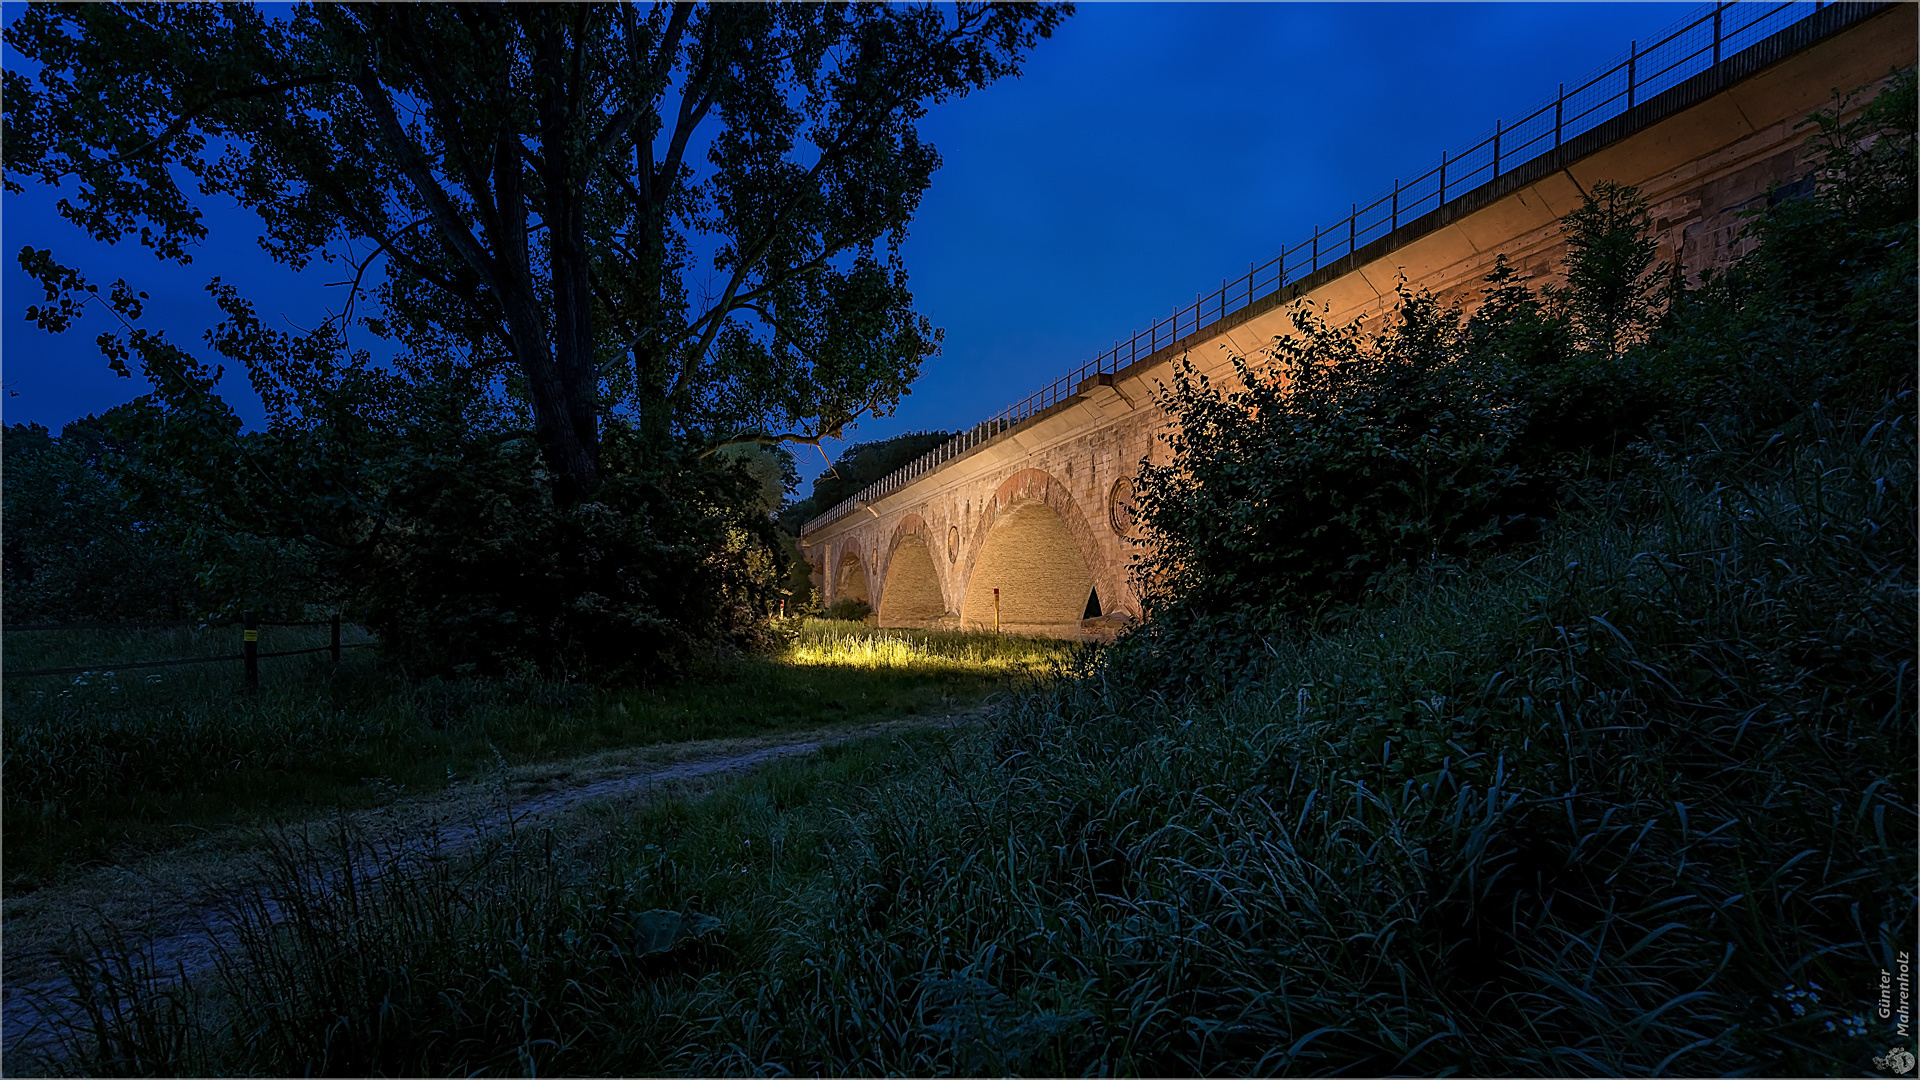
pixel 799 437
pixel 414 164
pixel 622 123
pixel 181 122
pixel 691 116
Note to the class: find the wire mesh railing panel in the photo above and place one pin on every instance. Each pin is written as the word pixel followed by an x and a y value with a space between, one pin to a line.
pixel 1685 49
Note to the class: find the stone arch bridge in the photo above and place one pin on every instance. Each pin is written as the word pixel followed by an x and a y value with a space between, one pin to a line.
pixel 1024 521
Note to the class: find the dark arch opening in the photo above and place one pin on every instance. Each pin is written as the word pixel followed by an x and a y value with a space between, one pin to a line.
pixel 1093 604
pixel 853 580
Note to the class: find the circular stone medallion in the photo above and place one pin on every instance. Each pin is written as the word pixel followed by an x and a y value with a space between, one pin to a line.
pixel 1120 506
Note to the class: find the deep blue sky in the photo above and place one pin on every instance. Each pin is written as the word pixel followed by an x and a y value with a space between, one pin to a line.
pixel 1148 151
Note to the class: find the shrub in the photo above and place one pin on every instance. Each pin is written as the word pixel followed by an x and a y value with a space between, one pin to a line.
pixel 1634 797
pixel 1637 803
pixel 1355 454
pixel 847 610
pixel 75 549
pixel 72 549
pixel 486 571
pixel 1353 457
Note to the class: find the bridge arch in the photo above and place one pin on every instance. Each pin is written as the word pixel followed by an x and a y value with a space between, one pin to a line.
pixel 911 594
pixel 1035 546
pixel 850 575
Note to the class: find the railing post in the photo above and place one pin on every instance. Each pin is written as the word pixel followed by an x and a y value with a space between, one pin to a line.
pixel 1633 61
pixel 335 650
pixel 1716 30
pixel 1316 250
pixel 1352 219
pixel 1443 178
pixel 250 647
pixel 1559 115
pixel 1396 204
pixel 1496 149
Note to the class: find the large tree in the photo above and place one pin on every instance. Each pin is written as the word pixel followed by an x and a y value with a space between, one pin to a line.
pixel 685 216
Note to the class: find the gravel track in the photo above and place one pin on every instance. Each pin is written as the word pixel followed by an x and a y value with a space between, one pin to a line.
pixel 174 904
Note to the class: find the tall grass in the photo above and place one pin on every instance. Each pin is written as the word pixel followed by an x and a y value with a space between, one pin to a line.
pixel 1641 803
pixel 101 763
pixel 826 643
pixel 528 955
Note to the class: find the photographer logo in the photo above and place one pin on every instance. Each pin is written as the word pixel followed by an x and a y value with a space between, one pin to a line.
pixel 1897 1060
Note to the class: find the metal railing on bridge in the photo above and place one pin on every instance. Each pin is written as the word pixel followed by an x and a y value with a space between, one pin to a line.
pixel 1689 47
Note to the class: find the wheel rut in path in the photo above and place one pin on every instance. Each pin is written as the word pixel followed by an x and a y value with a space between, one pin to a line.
pixel 175 904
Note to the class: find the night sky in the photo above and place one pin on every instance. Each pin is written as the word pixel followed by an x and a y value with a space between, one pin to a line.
pixel 1147 152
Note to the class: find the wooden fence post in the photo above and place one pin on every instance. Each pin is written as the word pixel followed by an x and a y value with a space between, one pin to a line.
pixel 996 611
pixel 250 647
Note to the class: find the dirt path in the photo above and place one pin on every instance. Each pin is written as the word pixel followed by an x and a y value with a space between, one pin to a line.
pixel 173 900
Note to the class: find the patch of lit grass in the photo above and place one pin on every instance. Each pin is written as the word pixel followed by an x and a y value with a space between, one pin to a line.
pixel 827 643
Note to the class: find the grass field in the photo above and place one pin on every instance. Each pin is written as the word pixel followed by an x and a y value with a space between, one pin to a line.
pixel 1638 803
pixel 121 761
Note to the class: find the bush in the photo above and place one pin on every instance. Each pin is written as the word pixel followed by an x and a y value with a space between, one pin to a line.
pixel 1354 454
pixel 1638 801
pixel 486 571
pixel 76 549
pixel 847 610
pixel 1353 459
pixel 454 542
pixel 73 550
pixel 1635 796
pixel 1823 308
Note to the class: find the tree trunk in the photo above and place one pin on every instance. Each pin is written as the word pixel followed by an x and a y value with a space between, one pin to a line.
pixel 574 462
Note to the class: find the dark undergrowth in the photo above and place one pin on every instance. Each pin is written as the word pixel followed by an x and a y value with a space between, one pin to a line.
pixel 1641 802
pixel 1633 794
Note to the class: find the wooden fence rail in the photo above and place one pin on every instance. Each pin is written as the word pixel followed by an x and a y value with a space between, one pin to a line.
pixel 249 653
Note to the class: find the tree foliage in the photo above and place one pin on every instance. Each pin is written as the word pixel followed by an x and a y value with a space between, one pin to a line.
pixel 594 246
pixel 857 466
pixel 72 549
pixel 529 178
pixel 1613 290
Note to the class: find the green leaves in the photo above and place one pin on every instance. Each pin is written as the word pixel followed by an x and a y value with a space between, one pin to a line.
pixel 601 242
pixel 1612 279
pixel 1348 456
pixel 526 185
pixel 521 199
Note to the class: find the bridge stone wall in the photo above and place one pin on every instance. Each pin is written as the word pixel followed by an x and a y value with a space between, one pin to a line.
pixel 1701 153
